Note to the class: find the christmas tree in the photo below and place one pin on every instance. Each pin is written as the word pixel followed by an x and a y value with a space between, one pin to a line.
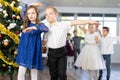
pixel 10 27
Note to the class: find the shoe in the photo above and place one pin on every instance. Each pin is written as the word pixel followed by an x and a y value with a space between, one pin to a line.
pixel 80 68
pixel 75 67
pixel 108 78
pixel 99 78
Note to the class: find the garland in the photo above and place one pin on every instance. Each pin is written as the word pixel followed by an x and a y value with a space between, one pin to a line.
pixel 6 61
pixel 12 36
pixel 4 3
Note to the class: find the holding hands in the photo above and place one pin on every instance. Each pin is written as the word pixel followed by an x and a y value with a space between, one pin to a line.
pixel 97 39
pixel 37 4
pixel 94 22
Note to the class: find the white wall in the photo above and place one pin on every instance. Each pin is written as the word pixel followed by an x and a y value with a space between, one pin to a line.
pixel 116 55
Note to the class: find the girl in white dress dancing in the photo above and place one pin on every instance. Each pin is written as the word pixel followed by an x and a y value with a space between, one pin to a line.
pixel 90 58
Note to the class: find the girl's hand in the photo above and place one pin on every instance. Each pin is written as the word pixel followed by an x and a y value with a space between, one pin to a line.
pixel 37 4
pixel 97 39
pixel 29 29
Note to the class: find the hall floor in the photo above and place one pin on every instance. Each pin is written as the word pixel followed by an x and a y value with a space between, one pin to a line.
pixel 77 74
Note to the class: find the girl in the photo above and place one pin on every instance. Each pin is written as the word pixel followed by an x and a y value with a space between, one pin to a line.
pixel 70 52
pixel 29 50
pixel 56 40
pixel 90 58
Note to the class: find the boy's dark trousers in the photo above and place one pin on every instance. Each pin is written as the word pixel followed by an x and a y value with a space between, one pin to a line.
pixel 76 52
pixel 107 59
pixel 57 63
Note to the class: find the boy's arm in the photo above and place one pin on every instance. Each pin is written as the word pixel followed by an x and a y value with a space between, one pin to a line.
pixel 82 37
pixel 83 22
pixel 115 38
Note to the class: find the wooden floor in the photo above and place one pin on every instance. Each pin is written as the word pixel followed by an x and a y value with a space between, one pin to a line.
pixel 73 74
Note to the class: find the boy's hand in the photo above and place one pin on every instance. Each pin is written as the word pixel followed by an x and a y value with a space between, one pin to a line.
pixel 94 22
pixel 37 4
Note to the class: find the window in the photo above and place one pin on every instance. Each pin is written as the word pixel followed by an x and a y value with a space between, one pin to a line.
pixel 97 17
pixel 112 26
pixel 83 16
pixel 110 20
pixel 67 16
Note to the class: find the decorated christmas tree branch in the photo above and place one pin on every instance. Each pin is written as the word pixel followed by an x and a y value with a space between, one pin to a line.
pixel 12 35
pixel 6 61
pixel 15 9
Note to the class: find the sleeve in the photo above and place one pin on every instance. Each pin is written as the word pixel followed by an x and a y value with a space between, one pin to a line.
pixel 24 11
pixel 45 36
pixel 41 27
pixel 114 39
pixel 66 25
pixel 82 38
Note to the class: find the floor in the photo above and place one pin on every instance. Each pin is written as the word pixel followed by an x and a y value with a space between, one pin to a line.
pixel 78 74
pixel 73 74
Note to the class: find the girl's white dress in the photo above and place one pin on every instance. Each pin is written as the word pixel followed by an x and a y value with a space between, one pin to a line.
pixel 90 57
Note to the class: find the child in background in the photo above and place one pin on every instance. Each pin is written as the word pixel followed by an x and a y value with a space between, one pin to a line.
pixel 90 58
pixel 76 44
pixel 70 52
pixel 107 50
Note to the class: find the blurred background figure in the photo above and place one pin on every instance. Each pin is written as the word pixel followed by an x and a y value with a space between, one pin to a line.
pixel 76 44
pixel 70 52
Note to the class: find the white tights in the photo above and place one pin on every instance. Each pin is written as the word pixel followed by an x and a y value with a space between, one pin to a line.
pixel 70 60
pixel 22 71
pixel 93 74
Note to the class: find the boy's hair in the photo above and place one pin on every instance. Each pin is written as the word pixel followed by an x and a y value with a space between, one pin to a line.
pixel 52 7
pixel 107 28
pixel 26 21
pixel 74 31
pixel 68 34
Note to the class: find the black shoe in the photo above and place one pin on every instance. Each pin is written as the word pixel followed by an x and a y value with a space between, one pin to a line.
pixel 80 68
pixel 75 67
pixel 99 78
pixel 108 78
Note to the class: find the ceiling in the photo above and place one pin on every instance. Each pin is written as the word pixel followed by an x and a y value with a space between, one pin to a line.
pixel 85 3
pixel 79 3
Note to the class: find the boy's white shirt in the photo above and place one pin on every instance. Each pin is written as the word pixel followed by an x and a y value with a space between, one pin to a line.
pixel 58 39
pixel 107 44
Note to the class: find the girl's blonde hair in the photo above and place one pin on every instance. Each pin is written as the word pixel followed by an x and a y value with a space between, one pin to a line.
pixel 27 21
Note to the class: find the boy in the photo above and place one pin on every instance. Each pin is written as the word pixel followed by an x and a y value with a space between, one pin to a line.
pixel 107 50
pixel 76 44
